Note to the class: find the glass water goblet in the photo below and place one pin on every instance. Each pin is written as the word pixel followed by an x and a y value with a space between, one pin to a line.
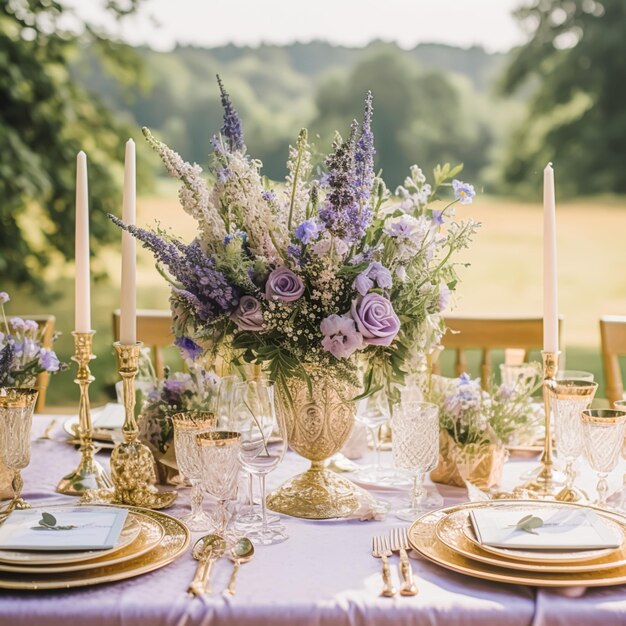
pixel 219 455
pixel 575 375
pixel 186 427
pixel 263 446
pixel 603 439
pixel 568 399
pixel 415 447
pixel 620 405
pixel 16 418
pixel 521 377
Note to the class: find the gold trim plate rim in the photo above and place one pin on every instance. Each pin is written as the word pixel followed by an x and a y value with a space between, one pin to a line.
pixel 174 544
pixel 151 528
pixel 423 540
pixel 43 557
pixel 472 549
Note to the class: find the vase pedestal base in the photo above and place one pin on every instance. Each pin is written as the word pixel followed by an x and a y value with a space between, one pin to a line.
pixel 316 494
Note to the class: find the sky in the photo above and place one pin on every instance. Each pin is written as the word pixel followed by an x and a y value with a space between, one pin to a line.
pixel 163 23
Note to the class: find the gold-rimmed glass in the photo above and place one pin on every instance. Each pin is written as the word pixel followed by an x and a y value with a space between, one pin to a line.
pixel 603 438
pixel 620 405
pixel 568 398
pixel 186 426
pixel 16 418
pixel 219 455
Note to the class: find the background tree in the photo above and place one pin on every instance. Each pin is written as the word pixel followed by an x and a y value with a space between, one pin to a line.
pixel 574 64
pixel 46 117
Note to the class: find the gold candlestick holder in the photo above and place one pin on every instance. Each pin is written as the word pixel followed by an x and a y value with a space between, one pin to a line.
pixel 544 484
pixel 89 474
pixel 132 464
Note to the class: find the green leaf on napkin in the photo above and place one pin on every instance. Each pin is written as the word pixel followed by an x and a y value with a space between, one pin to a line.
pixel 49 522
pixel 528 523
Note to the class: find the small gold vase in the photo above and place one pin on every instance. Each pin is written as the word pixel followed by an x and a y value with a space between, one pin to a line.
pixel 480 465
pixel 317 427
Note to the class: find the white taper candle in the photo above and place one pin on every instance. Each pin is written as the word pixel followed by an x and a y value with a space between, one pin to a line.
pixel 128 318
pixel 550 292
pixel 82 291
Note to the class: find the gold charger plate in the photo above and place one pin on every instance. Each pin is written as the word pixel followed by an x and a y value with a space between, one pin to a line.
pixel 150 533
pixel 130 532
pixel 173 544
pixel 423 539
pixel 455 529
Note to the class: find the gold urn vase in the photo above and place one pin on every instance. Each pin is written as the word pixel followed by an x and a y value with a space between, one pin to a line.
pixel 317 425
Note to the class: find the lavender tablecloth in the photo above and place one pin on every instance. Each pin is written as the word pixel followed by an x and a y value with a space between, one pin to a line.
pixel 323 575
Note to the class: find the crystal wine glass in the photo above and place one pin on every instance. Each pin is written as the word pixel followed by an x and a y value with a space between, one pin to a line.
pixel 219 455
pixel 568 399
pixel 620 405
pixel 263 445
pixel 603 439
pixel 186 427
pixel 415 447
pixel 16 418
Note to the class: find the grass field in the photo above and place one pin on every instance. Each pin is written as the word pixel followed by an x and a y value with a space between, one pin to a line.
pixel 505 277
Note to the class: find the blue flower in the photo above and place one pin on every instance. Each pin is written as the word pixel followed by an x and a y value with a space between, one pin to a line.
pixel 49 361
pixel 463 192
pixel 188 347
pixel 308 231
pixel 231 129
pixel 437 217
pixel 238 234
pixel 269 195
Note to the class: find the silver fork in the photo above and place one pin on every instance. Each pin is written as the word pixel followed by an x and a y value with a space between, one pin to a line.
pixel 381 550
pixel 400 543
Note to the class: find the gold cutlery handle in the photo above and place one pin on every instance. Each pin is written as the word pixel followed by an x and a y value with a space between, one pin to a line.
pixel 233 577
pixel 196 586
pixel 206 579
pixel 407 587
pixel 388 589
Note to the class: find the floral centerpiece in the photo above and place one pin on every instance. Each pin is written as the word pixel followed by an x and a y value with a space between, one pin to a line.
pixel 477 425
pixel 176 393
pixel 22 354
pixel 330 282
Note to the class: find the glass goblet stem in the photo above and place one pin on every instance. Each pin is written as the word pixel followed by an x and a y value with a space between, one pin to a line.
pixel 197 496
pixel 603 489
pixel 17 484
pixel 221 516
pixel 263 505
pixel 418 492
pixel 376 443
pixel 570 474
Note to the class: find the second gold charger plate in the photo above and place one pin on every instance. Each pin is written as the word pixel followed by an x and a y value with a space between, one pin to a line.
pixel 150 533
pixel 455 531
pixel 129 533
pixel 423 539
pixel 174 543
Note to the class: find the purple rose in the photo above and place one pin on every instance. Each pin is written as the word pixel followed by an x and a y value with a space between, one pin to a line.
pixel 375 319
pixel 282 284
pixel 341 338
pixel 188 347
pixel 248 315
pixel 375 273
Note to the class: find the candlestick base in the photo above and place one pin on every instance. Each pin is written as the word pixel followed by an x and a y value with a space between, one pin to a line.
pixel 133 468
pixel 89 474
pixel 544 485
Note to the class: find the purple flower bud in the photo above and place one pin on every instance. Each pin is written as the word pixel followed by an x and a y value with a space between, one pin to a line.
pixel 341 337
pixel 283 285
pixel 188 347
pixel 248 315
pixel 375 319
pixel 4 297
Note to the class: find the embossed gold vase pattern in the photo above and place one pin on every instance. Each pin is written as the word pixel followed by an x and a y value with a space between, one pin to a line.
pixel 317 425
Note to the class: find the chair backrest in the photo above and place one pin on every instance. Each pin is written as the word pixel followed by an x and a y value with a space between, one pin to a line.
pixel 613 338
pixel 46 325
pixel 516 335
pixel 154 329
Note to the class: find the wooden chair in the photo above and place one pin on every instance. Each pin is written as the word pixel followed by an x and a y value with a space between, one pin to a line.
pixel 154 329
pixel 613 338
pixel 518 336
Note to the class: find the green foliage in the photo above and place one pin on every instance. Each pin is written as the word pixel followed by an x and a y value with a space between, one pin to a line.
pixel 575 59
pixel 46 118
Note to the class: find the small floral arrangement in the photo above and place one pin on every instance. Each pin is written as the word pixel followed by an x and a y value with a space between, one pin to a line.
pixel 176 393
pixel 325 272
pixel 22 355
pixel 501 415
